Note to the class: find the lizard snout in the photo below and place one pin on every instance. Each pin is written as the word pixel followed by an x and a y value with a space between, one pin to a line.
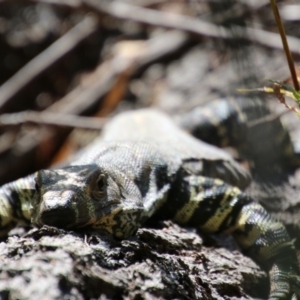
pixel 56 209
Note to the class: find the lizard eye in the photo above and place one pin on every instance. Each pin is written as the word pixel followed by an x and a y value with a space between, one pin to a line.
pixel 101 183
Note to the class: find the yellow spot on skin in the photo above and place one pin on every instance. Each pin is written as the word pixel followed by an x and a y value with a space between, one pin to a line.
pixel 5 212
pixel 186 212
pixel 25 206
pixel 272 250
pixel 25 195
pixel 107 222
pixel 256 231
pixel 224 210
pixel 251 236
pixel 218 182
pixel 214 223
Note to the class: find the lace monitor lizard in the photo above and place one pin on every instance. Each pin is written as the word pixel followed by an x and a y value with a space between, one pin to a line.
pixel 143 165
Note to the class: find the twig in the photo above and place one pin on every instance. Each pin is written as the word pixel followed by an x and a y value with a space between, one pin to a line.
pixel 72 3
pixel 45 59
pixel 106 75
pixel 153 17
pixel 285 44
pixel 271 39
pixel 122 10
pixel 187 24
pixel 52 119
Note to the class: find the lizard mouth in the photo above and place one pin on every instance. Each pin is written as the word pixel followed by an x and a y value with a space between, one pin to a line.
pixel 60 218
pixel 111 205
pixel 66 218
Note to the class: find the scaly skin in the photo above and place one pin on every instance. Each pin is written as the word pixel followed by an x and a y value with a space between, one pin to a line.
pixel 143 165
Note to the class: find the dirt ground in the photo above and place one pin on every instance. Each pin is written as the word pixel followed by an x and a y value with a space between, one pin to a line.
pixel 64 61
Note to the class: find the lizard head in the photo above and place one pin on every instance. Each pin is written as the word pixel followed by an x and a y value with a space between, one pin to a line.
pixel 87 196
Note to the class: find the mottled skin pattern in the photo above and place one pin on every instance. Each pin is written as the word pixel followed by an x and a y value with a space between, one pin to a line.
pixel 143 165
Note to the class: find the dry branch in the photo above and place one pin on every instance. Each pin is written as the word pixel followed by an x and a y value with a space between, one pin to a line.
pixel 121 10
pixel 190 25
pixel 106 75
pixel 152 17
pixel 45 59
pixel 51 119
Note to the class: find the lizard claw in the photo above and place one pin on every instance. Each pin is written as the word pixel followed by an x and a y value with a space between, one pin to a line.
pixel 295 286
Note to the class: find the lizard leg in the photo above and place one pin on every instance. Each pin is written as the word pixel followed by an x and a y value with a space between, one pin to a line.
pixel 15 203
pixel 234 122
pixel 216 207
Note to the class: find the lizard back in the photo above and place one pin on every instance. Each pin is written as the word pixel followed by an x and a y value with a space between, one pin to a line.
pixel 157 129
